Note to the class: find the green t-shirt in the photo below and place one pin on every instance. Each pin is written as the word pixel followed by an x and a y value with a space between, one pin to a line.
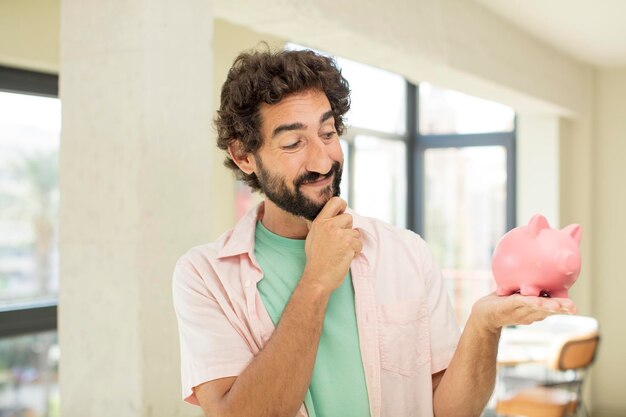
pixel 338 382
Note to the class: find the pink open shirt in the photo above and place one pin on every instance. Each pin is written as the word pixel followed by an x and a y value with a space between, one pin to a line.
pixel 407 329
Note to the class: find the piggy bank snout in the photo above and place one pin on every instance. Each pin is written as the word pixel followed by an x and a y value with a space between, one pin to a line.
pixel 568 262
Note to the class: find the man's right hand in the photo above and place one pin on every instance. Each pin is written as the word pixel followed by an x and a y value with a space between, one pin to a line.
pixel 331 245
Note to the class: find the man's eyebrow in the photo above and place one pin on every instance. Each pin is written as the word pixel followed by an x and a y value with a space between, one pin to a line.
pixel 288 127
pixel 299 126
pixel 326 116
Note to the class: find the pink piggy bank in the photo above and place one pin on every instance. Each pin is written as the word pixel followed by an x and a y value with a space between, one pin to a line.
pixel 537 260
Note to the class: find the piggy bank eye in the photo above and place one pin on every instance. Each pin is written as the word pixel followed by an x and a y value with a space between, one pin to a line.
pixel 545 294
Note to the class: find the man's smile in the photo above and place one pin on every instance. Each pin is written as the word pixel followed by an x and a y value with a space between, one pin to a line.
pixel 321 182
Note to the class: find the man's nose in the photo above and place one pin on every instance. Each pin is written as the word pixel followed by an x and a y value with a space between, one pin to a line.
pixel 318 159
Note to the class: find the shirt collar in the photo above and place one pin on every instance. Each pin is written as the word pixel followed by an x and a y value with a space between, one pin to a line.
pixel 241 239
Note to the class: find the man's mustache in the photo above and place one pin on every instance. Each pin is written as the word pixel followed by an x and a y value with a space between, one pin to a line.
pixel 311 176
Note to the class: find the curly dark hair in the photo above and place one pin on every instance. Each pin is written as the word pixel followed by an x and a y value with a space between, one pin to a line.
pixel 258 77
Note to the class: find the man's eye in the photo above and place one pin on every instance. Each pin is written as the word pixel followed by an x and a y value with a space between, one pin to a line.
pixel 329 135
pixel 291 145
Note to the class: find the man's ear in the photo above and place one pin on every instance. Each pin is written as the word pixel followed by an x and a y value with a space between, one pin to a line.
pixel 244 160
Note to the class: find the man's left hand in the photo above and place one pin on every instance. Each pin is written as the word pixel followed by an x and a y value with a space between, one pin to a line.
pixel 494 312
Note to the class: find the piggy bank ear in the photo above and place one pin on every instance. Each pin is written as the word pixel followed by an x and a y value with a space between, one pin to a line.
pixel 575 231
pixel 537 224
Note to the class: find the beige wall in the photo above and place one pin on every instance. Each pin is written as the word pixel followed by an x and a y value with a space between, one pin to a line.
pixel 29 34
pixel 609 222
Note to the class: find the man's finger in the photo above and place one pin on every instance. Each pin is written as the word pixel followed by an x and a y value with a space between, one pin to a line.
pixel 559 305
pixel 358 247
pixel 566 302
pixel 333 207
pixel 566 305
pixel 343 220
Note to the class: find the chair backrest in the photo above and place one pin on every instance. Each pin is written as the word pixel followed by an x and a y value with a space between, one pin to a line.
pixel 577 352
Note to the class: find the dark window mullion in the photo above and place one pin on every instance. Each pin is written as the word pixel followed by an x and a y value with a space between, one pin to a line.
pixel 413 183
pixel 31 319
pixel 14 80
pixel 352 170
pixel 467 139
pixel 511 178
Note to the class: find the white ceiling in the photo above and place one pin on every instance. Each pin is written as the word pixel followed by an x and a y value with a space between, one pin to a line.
pixel 592 31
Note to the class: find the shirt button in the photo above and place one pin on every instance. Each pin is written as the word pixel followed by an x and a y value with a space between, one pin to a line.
pixel 246 284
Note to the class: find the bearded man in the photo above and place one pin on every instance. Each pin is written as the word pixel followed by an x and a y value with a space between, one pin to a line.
pixel 307 308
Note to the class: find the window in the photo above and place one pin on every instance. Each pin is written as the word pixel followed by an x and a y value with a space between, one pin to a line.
pixel 465 150
pixel 30 122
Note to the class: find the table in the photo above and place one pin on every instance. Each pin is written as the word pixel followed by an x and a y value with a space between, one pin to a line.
pixel 519 345
pixel 537 342
pixel 526 352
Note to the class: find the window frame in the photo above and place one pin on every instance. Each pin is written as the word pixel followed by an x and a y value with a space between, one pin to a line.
pixel 37 316
pixel 417 144
pixel 422 142
pixel 350 136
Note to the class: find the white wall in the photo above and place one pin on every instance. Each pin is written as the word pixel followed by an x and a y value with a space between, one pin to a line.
pixel 609 222
pixel 538 179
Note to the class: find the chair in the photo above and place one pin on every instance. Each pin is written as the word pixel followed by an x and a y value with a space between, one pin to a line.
pixel 560 397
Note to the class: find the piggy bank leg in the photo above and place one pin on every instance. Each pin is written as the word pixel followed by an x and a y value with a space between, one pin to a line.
pixel 530 290
pixel 502 291
pixel 559 294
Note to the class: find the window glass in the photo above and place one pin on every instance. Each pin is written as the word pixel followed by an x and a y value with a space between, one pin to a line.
pixel 29 374
pixel 378 97
pixel 29 197
pixel 465 216
pixel 444 111
pixel 380 179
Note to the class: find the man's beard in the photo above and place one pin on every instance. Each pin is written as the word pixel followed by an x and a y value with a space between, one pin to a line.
pixel 295 202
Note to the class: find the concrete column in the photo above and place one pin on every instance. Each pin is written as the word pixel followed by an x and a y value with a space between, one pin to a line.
pixel 136 151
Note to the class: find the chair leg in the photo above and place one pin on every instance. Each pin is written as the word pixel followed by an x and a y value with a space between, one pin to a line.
pixel 581 409
pixel 582 406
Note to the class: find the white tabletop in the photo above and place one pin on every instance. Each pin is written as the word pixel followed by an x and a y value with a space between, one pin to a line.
pixel 538 341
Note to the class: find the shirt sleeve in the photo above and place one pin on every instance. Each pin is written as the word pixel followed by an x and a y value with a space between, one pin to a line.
pixel 210 347
pixel 444 330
